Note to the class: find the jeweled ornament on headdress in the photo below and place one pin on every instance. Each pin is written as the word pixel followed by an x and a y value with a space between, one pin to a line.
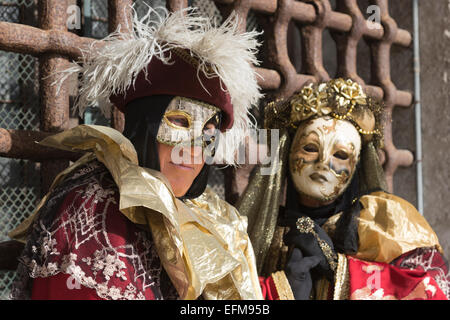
pixel 338 98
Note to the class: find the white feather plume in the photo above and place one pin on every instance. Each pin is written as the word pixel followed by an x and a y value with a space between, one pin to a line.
pixel 111 66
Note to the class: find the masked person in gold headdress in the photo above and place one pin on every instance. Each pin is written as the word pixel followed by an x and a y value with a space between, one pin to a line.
pixel 339 234
pixel 133 218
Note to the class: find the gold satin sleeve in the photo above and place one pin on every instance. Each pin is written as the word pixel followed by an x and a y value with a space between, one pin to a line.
pixel 260 203
pixel 203 244
pixel 390 226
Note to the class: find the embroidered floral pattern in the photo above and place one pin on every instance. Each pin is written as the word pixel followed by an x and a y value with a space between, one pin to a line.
pixel 419 274
pixel 90 240
pixel 431 261
pixel 423 291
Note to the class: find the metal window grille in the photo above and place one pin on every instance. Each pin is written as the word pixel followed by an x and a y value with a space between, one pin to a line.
pixel 19 109
pixel 95 14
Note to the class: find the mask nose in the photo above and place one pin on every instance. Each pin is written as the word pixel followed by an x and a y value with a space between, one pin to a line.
pixel 323 162
pixel 321 166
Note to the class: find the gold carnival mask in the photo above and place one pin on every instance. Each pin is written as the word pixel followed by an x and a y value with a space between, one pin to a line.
pixel 323 157
pixel 185 122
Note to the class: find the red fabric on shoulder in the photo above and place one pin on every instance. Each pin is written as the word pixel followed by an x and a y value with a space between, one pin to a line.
pixel 382 281
pixel 61 287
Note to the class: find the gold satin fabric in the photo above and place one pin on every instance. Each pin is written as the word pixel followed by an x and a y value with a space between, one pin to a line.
pixel 342 279
pixel 389 227
pixel 371 175
pixel 202 243
pixel 260 203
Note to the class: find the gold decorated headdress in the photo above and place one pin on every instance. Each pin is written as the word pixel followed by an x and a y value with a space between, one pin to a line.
pixel 337 98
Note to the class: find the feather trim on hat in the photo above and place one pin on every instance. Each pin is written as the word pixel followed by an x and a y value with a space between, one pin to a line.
pixel 110 66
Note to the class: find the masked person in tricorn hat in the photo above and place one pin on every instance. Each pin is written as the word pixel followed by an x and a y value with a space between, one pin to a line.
pixel 133 218
pixel 338 234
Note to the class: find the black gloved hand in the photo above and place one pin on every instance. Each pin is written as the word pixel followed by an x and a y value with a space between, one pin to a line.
pixel 299 275
pixel 309 246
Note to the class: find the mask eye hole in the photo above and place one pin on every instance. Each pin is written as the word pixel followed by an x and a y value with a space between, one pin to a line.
pixel 341 155
pixel 310 148
pixel 212 125
pixel 209 129
pixel 178 120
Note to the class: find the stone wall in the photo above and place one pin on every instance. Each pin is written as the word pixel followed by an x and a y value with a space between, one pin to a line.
pixel 434 27
pixel 435 82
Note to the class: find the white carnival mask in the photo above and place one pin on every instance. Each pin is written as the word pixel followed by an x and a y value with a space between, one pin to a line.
pixel 185 123
pixel 323 157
